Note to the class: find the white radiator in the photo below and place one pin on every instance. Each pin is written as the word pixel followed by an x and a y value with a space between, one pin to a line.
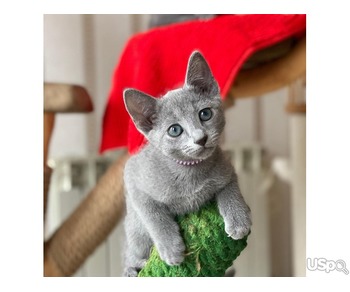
pixel 255 180
pixel 73 178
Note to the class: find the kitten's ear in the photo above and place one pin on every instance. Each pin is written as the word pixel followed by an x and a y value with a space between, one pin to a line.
pixel 141 108
pixel 199 75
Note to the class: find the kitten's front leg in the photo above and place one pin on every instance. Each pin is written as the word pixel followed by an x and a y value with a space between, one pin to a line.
pixel 163 230
pixel 234 210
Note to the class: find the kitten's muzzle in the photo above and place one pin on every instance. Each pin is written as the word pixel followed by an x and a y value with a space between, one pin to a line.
pixel 202 140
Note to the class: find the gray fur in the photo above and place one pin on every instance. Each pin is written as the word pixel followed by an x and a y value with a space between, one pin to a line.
pixel 158 188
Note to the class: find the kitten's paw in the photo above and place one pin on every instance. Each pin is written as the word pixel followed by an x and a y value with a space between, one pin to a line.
pixel 173 254
pixel 134 271
pixel 130 272
pixel 237 232
pixel 237 229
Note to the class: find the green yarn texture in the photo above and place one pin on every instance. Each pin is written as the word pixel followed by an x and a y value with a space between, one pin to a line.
pixel 210 251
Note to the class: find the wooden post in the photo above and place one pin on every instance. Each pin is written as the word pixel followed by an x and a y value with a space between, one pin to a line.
pixel 297 109
pixel 272 75
pixel 49 122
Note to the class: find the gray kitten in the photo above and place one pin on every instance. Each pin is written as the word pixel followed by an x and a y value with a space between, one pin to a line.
pixel 180 169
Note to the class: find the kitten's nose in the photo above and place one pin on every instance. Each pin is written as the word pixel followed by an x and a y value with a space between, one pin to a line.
pixel 202 140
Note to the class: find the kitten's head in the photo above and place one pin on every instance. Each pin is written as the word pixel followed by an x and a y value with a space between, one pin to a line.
pixel 185 124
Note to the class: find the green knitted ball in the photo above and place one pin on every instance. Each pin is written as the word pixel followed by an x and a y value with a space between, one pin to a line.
pixel 210 251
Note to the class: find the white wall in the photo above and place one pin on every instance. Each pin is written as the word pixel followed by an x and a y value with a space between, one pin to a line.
pixel 64 62
pixel 84 50
pixel 260 119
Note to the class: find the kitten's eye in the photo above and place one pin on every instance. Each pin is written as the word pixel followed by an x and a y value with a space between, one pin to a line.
pixel 205 114
pixel 175 130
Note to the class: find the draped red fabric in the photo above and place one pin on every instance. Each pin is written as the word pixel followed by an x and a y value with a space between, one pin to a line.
pixel 155 61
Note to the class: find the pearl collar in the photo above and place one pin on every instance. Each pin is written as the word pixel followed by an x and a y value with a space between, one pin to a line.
pixel 188 162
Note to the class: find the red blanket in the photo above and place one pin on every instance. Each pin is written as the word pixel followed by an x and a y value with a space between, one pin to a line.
pixel 155 61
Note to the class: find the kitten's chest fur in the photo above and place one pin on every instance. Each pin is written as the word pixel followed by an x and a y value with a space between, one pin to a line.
pixel 181 188
pixel 188 193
